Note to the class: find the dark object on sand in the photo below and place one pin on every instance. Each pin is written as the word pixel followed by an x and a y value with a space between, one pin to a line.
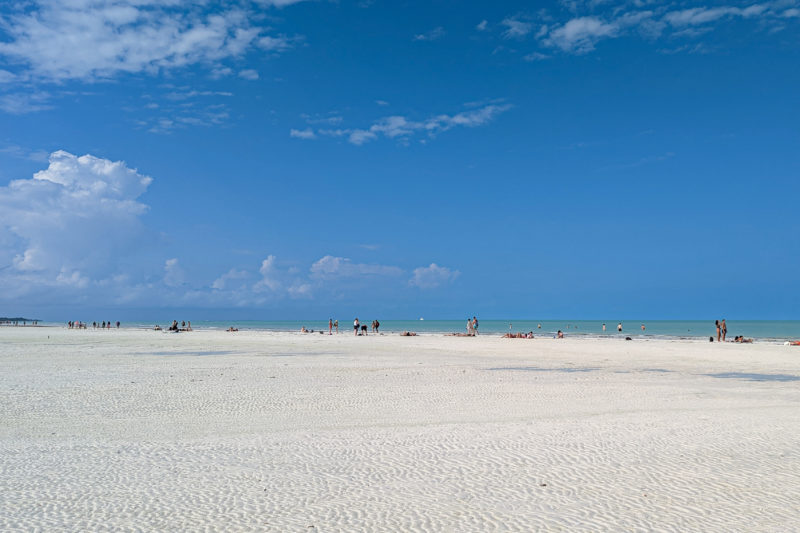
pixel 628 339
pixel 711 339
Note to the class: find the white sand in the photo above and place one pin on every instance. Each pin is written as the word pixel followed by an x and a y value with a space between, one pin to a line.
pixel 141 430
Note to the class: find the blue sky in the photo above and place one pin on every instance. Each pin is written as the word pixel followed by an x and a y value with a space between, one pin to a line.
pixel 288 159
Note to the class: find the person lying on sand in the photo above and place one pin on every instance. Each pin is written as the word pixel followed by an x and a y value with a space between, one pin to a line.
pixel 457 335
pixel 742 339
pixel 232 329
pixel 303 330
pixel 518 335
pixel 408 334
pixel 157 328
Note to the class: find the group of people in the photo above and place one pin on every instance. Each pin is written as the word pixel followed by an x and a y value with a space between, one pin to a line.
pixel 361 329
pixel 472 326
pixel 174 327
pixel 722 330
pixel 77 324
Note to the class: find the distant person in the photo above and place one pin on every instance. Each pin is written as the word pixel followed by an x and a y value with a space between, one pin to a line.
pixel 719 331
pixel 560 334
pixel 118 324
pixel 539 326
pixel 364 330
pixel 188 325
pixel 475 325
pixel 377 326
pixel 619 327
pixel 469 327
pixel 330 326
pixel 642 327
pixel 355 326
pixel 604 328
pixel 724 329
pixel 336 325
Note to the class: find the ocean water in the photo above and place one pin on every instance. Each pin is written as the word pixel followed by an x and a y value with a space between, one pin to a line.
pixel 780 330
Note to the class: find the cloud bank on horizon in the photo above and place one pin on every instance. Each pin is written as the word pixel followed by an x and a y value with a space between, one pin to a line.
pixel 70 230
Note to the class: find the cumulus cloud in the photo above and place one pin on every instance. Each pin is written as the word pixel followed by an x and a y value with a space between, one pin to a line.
pixel 400 127
pixel 432 276
pixel 224 280
pixel 269 275
pixel 70 223
pixel 173 273
pixel 95 39
pixel 482 25
pixel 330 267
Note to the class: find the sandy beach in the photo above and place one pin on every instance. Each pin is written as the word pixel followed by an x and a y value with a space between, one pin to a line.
pixel 254 431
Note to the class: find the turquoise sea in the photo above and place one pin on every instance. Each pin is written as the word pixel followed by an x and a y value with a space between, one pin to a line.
pixel 779 330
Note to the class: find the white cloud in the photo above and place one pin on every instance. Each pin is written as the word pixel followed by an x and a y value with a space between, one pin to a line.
pixel 400 127
pixel 248 74
pixel 482 25
pixel 791 13
pixel 580 34
pixel 432 276
pixel 515 28
pixel 96 39
pixel 432 35
pixel 307 133
pixel 269 275
pixel 330 267
pixel 535 56
pixel 174 275
pixel 70 224
pixel 222 282
pixel 25 102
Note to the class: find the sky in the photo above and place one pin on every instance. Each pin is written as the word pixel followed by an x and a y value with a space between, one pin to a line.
pixel 291 159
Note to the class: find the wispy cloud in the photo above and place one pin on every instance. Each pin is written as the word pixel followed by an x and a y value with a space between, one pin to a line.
pixel 516 28
pixel 593 21
pixel 432 35
pixel 403 128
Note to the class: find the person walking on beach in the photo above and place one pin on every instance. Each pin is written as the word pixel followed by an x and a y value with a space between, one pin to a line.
pixel 719 334
pixel 724 329
pixel 619 327
pixel 475 325
pixel 377 326
pixel 355 326
pixel 330 326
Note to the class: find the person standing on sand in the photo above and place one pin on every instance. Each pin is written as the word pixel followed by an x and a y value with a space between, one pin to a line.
pixel 719 335
pixel 604 328
pixel 355 326
pixel 336 325
pixel 475 325
pixel 330 326
pixel 724 328
pixel 469 327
